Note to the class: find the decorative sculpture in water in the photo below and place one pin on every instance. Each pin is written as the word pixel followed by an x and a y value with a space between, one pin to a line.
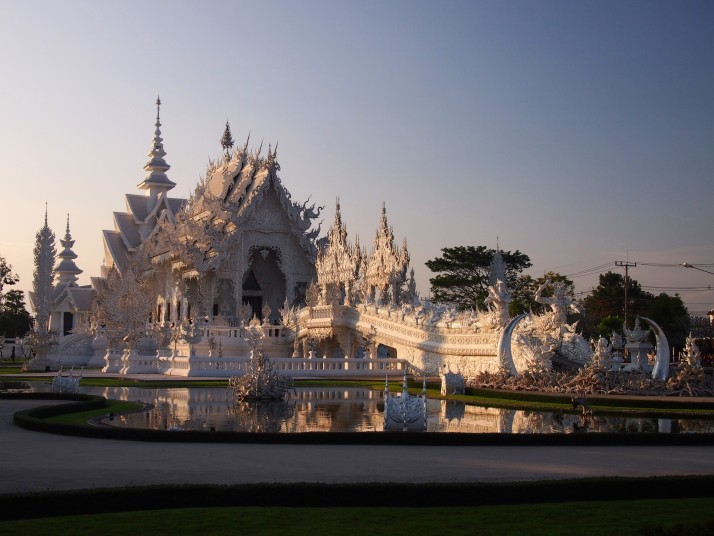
pixel 66 384
pixel 404 412
pixel 261 381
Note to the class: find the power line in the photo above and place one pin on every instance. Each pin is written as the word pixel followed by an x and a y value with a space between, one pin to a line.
pixel 693 289
pixel 591 271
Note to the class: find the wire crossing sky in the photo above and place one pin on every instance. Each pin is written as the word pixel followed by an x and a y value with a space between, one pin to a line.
pixel 580 133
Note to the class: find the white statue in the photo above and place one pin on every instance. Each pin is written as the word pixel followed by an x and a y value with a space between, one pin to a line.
pixel 497 302
pixel 603 352
pixel 559 303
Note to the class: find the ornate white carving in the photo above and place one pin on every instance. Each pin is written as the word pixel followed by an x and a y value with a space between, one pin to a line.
pixel 404 412
pixel 691 354
pixel 637 334
pixel 261 380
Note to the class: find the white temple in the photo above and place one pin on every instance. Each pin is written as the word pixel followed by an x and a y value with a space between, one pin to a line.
pixel 183 279
pixel 71 304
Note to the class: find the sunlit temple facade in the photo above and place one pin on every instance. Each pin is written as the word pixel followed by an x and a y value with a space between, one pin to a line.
pixel 241 250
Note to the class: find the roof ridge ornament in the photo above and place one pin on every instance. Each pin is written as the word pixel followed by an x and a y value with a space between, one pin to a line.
pixel 227 139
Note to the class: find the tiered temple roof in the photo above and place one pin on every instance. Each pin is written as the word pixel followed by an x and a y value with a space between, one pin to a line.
pixel 144 212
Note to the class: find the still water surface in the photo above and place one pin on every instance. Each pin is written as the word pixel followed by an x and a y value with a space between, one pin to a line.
pixel 351 410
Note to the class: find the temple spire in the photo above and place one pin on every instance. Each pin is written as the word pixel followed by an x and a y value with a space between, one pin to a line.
pixel 497 268
pixel 156 167
pixel 66 270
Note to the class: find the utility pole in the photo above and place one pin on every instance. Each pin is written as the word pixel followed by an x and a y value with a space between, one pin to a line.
pixel 626 265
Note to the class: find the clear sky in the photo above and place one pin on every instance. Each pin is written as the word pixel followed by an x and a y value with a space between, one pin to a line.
pixel 578 132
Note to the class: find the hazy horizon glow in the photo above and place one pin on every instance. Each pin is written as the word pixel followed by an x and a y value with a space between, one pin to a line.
pixel 579 133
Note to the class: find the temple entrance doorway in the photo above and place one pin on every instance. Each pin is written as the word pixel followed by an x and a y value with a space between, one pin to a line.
pixel 67 323
pixel 264 282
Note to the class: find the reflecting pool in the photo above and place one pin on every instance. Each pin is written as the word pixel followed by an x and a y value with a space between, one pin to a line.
pixel 352 409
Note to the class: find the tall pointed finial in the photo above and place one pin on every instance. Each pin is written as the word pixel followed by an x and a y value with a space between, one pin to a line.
pixel 45 213
pixel 227 139
pixel 67 223
pixel 157 167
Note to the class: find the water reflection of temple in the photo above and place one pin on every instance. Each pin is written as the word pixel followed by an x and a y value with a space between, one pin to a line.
pixel 310 410
pixel 360 410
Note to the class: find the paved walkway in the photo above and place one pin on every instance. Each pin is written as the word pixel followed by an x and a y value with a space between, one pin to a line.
pixel 34 461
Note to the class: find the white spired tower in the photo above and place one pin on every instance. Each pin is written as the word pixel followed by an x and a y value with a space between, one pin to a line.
pixel 71 304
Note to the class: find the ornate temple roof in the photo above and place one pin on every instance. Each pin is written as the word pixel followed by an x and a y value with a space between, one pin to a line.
pixel 340 261
pixel 79 298
pixel 387 263
pixel 239 181
pixel 144 212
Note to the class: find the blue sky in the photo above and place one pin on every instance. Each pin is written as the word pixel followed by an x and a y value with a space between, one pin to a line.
pixel 577 132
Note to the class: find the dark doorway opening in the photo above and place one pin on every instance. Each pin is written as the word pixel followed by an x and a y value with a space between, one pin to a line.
pixel 67 323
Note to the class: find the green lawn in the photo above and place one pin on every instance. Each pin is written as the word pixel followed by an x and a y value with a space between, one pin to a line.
pixel 80 418
pixel 581 518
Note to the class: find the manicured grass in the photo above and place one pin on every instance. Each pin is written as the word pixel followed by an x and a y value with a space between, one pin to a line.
pixel 80 418
pixel 582 518
pixel 9 370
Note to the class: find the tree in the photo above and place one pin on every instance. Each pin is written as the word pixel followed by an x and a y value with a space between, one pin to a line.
pixel 462 274
pixel 609 324
pixel 14 318
pixel 607 302
pixel 15 321
pixel 6 275
pixel 608 299
pixel 672 316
